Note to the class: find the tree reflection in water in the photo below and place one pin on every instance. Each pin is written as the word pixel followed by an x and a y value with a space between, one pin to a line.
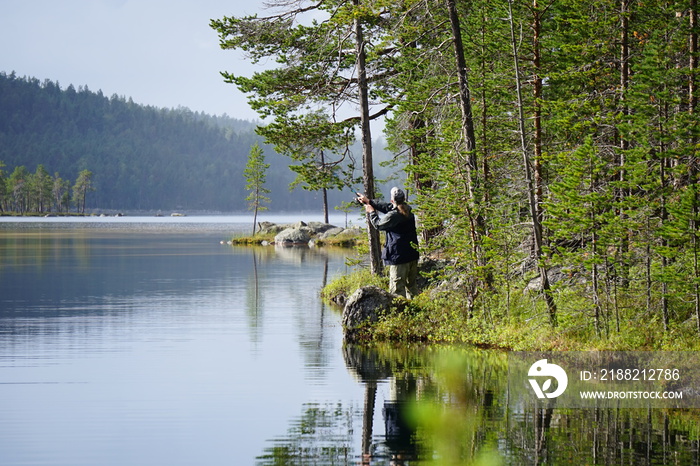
pixel 455 407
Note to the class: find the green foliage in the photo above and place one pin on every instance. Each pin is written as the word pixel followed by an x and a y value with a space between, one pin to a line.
pixel 611 100
pixel 18 185
pixel 345 285
pixel 255 174
pixel 523 325
pixel 39 193
pixel 304 93
pixel 451 430
pixel 83 185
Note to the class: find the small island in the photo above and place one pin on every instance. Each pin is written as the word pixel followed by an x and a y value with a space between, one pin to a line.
pixel 302 233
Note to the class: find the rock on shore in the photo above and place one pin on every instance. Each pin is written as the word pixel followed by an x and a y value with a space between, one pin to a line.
pixel 364 307
pixel 303 233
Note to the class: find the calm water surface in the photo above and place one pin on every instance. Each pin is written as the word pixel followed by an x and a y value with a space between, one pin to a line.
pixel 151 343
pixel 146 342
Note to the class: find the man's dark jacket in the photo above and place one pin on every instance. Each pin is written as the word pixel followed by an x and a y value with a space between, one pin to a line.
pixel 401 236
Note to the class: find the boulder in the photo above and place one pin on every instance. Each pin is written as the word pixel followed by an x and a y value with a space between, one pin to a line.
pixel 354 231
pixel 290 236
pixel 554 275
pixel 331 232
pixel 319 227
pixel 363 307
pixel 269 227
pixel 336 232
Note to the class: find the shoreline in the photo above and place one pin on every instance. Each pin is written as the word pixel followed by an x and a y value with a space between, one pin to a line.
pixel 440 318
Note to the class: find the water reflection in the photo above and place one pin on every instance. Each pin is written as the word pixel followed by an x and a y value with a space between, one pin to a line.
pixel 447 406
pixel 370 369
pixel 254 300
pixel 157 348
pixel 142 348
pixel 322 435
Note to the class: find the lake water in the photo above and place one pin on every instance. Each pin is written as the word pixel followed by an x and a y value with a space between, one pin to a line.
pixel 144 341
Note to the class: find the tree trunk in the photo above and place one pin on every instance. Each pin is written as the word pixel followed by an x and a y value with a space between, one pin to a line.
pixel 693 46
pixel 324 190
pixel 536 225
pixel 367 162
pixel 468 134
pixel 255 219
pixel 537 114
pixel 621 192
pixel 664 245
pixel 473 211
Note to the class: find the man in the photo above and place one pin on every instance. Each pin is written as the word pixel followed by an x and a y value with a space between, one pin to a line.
pixel 400 253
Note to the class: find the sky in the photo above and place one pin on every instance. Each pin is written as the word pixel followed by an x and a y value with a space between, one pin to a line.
pixel 161 53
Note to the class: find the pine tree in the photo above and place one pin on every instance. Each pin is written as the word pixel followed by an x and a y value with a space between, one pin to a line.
pixel 18 186
pixel 255 175
pixel 83 185
pixel 60 191
pixel 41 189
pixel 322 68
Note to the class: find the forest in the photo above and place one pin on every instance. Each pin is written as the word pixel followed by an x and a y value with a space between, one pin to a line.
pixel 141 158
pixel 549 145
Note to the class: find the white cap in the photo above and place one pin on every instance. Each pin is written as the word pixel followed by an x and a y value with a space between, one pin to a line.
pixel 397 195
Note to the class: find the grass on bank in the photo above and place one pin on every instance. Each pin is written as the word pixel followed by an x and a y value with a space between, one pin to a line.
pixel 519 321
pixel 257 238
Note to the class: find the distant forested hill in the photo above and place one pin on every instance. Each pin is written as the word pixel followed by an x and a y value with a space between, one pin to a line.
pixel 142 157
